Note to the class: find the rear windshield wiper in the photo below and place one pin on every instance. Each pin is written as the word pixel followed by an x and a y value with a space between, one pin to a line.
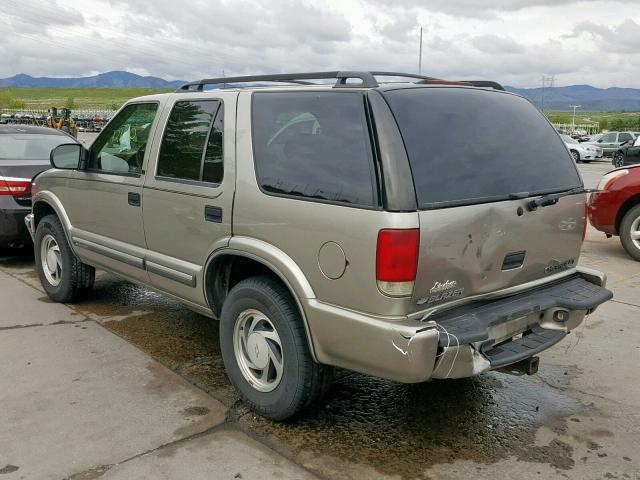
pixel 552 198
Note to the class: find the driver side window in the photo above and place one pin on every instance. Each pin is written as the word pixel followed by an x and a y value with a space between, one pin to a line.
pixel 121 145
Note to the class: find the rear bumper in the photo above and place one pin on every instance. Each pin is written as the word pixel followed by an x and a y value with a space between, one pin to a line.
pixel 458 343
pixel 13 231
pixel 602 209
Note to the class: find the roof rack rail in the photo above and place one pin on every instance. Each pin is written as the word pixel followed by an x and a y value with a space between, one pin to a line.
pixel 368 80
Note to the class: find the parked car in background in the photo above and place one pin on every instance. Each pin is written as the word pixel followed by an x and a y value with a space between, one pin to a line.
pixel 582 152
pixel 24 153
pixel 591 138
pixel 627 154
pixel 615 208
pixel 611 141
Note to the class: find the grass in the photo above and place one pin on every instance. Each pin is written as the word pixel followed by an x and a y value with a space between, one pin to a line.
pixel 113 98
pixel 80 98
pixel 607 120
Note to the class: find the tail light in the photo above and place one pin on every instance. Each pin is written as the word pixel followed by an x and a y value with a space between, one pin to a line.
pixel 586 220
pixel 17 187
pixel 397 261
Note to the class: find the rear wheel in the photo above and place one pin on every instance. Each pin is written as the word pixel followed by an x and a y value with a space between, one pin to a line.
pixel 630 232
pixel 63 276
pixel 618 160
pixel 265 350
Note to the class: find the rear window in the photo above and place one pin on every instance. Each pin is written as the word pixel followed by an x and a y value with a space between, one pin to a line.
pixel 470 146
pixel 34 146
pixel 314 145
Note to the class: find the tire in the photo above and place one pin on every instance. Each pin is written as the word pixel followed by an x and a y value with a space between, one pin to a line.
pixel 73 280
pixel 631 223
pixel 262 305
pixel 618 160
pixel 576 156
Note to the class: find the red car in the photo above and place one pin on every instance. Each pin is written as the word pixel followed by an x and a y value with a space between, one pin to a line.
pixel 615 208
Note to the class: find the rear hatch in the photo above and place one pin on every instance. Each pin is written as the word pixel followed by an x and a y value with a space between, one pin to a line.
pixel 478 157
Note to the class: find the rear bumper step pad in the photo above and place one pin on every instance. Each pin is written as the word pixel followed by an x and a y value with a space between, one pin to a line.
pixel 536 341
pixel 470 323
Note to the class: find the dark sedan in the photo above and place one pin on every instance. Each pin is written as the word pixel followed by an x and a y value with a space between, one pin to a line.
pixel 627 154
pixel 24 153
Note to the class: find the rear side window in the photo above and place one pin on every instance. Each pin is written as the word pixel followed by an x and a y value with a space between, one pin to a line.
pixel 624 137
pixel 470 145
pixel 314 145
pixel 191 148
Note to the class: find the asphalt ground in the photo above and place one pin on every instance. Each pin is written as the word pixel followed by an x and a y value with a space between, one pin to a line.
pixel 577 418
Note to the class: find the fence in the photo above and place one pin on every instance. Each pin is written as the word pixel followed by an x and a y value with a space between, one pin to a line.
pixel 582 128
pixel 85 119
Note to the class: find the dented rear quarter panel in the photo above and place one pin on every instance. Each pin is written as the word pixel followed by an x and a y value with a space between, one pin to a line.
pixel 462 249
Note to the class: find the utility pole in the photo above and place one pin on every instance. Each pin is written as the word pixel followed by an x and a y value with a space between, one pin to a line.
pixel 573 122
pixel 420 55
pixel 547 82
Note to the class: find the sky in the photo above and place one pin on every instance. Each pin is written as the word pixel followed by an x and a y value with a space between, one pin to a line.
pixel 514 42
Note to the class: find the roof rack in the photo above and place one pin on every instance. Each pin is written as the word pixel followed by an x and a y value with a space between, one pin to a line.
pixel 367 79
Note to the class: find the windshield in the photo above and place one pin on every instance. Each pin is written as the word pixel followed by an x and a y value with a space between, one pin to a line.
pixel 22 146
pixel 470 145
pixel 568 139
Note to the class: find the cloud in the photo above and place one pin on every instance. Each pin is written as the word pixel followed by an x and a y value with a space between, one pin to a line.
pixel 511 41
pixel 621 38
pixel 479 8
pixel 497 45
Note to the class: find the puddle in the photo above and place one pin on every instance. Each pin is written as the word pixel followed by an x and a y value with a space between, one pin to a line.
pixel 394 429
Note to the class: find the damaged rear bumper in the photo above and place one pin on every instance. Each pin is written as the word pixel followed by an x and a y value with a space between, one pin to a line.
pixel 459 342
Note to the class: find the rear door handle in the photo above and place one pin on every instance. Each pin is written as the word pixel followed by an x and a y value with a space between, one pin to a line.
pixel 133 199
pixel 213 214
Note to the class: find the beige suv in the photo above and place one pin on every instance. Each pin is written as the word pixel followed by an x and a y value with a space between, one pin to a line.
pixel 394 230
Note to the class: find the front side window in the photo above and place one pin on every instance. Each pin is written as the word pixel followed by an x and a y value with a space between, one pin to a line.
pixel 314 145
pixel 121 146
pixel 192 144
pixel 609 137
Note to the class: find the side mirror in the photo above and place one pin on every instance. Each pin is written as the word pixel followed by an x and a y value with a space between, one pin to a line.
pixel 69 156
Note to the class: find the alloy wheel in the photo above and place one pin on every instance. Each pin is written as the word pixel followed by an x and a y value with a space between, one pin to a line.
pixel 258 350
pixel 635 232
pixel 51 260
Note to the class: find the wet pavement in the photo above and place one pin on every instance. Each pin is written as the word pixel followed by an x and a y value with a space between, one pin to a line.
pixel 578 418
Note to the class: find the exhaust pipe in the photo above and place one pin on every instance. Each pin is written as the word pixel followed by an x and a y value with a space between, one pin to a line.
pixel 16 245
pixel 528 366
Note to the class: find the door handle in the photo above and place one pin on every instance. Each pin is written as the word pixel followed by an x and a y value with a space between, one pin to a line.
pixel 133 199
pixel 213 214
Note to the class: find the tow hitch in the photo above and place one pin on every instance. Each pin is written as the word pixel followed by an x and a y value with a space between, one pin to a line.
pixel 528 366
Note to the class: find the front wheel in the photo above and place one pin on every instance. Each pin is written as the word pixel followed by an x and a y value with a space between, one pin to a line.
pixel 63 276
pixel 265 350
pixel 630 232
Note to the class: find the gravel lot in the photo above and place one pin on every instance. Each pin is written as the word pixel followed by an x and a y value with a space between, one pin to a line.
pixel 578 418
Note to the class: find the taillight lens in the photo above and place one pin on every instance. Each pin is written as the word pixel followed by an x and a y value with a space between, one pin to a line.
pixel 18 187
pixel 397 260
pixel 607 180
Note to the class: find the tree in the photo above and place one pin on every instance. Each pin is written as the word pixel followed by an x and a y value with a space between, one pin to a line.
pixel 70 103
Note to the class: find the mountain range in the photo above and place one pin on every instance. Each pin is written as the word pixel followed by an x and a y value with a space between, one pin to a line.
pixel 590 99
pixel 106 80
